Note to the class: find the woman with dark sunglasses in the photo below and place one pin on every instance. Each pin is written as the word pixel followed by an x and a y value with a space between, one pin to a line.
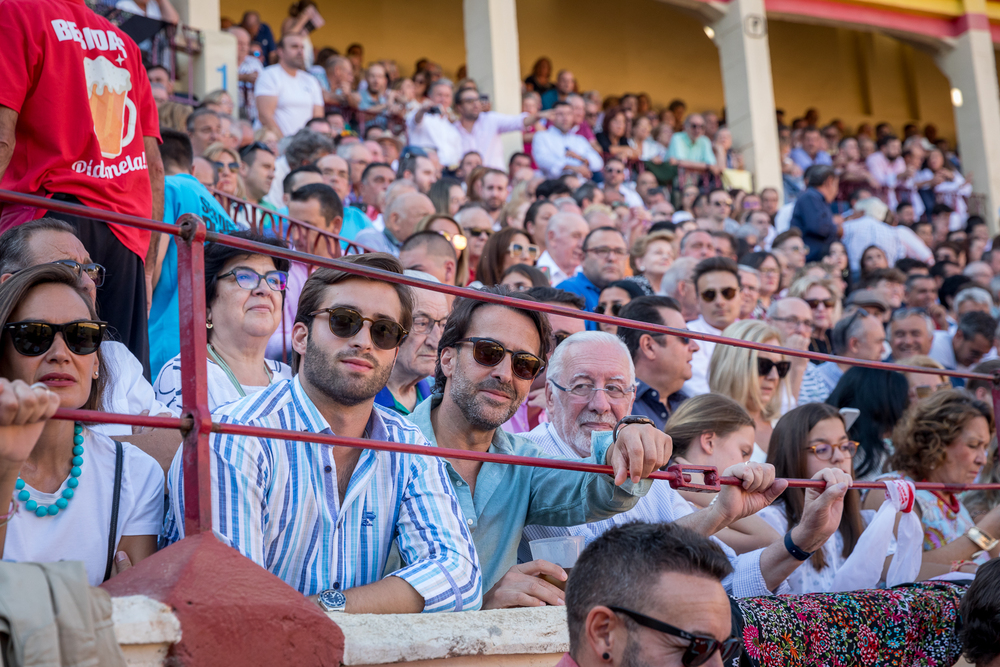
pixel 755 380
pixel 824 301
pixel 613 298
pixel 61 476
pixel 244 295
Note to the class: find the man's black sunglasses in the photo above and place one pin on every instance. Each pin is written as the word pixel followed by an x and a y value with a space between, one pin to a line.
pixel 489 352
pixel 255 146
pixel 701 647
pixel 33 338
pixel 386 334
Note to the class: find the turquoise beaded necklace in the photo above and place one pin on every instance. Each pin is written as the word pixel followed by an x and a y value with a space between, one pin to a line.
pixel 72 483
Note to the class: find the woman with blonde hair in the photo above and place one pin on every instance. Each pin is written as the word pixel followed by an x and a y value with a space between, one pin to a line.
pixel 652 254
pixel 823 298
pixel 512 213
pixel 755 380
pixel 446 226
pixel 922 379
pixel 228 162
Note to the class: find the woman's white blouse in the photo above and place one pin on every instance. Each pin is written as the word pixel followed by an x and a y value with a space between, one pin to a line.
pixel 220 388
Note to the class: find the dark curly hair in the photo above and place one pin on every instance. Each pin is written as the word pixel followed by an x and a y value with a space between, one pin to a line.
pixel 925 432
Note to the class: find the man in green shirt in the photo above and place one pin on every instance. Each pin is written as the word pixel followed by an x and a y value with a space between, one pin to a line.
pixel 487 358
pixel 691 149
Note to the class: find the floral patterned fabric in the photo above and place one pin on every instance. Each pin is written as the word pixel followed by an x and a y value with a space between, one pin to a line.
pixel 905 626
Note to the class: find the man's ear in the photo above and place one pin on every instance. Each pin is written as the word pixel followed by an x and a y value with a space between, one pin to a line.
pixel 449 272
pixel 646 344
pixel 300 338
pixel 337 224
pixel 448 361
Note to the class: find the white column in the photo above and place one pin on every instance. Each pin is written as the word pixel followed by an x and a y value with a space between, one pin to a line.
pixel 971 68
pixel 493 59
pixel 745 57
pixel 215 67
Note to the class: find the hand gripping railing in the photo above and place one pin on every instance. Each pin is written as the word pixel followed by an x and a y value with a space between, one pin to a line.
pixel 196 423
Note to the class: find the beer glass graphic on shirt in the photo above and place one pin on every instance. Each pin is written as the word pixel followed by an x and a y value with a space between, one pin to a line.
pixel 108 87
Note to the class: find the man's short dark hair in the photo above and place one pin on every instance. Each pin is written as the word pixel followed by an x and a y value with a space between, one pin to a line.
pixel 330 205
pixel 818 174
pixel 436 244
pixel 586 239
pixel 517 155
pixel 713 264
pixel 977 323
pixel 562 103
pixel 406 164
pixel 584 192
pixel 907 264
pixel 979 610
pixel 153 67
pixel 972 384
pixel 889 275
pixel 951 287
pixel 286 183
pixel 15 243
pixel 176 151
pixel 545 294
pixel 461 316
pixel 196 114
pixel 249 153
pixel 910 280
pixel 313 290
pixel 552 188
pixel 941 208
pixel 644 309
pixel 884 139
pixel 779 240
pixel 939 268
pixel 376 165
pixel 621 566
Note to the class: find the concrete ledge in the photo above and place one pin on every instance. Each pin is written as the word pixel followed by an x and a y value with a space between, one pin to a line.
pixel 525 636
pixel 145 629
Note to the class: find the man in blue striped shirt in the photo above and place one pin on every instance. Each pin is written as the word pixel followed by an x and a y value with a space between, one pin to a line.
pixel 324 518
pixel 487 359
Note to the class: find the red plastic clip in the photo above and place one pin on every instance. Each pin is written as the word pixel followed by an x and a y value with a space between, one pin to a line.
pixel 683 480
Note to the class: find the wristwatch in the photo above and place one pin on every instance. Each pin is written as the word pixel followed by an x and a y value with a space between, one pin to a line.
pixel 630 419
pixel 797 552
pixel 332 600
pixel 981 539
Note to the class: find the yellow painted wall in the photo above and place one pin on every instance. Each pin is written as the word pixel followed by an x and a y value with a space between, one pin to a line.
pixel 649 46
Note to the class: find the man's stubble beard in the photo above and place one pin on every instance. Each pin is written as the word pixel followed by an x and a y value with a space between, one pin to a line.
pixel 465 395
pixel 318 367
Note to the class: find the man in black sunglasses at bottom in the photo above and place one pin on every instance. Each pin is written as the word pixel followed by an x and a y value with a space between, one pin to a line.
pixel 487 359
pixel 649 594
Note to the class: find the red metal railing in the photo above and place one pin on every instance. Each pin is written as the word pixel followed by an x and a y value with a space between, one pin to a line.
pixel 196 423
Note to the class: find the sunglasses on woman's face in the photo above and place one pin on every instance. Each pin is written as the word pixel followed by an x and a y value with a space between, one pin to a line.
pixel 33 339
pixel 764 367
pixel 827 303
pixel 250 279
pixel 478 231
pixel 728 293
pixel 233 167
pixel 701 647
pixel 347 322
pixel 615 308
pixel 489 352
pixel 520 249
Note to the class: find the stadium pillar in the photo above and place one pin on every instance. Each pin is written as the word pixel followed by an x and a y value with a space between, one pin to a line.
pixel 745 57
pixel 493 58
pixel 970 66
pixel 215 66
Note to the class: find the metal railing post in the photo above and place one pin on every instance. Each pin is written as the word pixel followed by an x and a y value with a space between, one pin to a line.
pixel 194 374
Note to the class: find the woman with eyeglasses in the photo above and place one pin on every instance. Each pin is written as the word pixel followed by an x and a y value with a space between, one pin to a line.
pixel 61 500
pixel 447 195
pixel 770 274
pixel 652 254
pixel 755 380
pixel 244 296
pixel 945 439
pixel 714 430
pixel 447 227
pixel 824 301
pixel 227 164
pixel 613 298
pixel 882 398
pixel 506 248
pixel 807 440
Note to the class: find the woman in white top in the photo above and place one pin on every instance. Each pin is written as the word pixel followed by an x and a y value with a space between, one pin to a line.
pixel 243 296
pixel 753 379
pixel 57 478
pixel 807 440
pixel 713 430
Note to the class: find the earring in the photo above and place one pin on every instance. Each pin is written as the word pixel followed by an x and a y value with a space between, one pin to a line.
pixel 208 325
pixel 606 656
pixel 641 269
pixel 96 373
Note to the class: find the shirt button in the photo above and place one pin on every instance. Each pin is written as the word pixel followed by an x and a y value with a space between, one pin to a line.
pixel 469 521
pixel 328 469
pixel 336 585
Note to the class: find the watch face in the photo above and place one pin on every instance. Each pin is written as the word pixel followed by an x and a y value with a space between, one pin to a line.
pixel 332 600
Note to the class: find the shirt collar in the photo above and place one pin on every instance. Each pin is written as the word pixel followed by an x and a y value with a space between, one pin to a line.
pixel 317 423
pixel 421 416
pixel 392 239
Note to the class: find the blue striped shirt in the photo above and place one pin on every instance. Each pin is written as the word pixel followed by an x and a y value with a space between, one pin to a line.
pixel 277 503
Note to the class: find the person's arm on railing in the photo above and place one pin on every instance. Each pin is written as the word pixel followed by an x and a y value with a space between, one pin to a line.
pixel 8 121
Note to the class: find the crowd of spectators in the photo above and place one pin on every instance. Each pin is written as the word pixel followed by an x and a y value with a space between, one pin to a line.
pixel 611 208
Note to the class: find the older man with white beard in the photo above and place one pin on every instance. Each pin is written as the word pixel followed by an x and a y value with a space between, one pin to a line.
pixel 590 387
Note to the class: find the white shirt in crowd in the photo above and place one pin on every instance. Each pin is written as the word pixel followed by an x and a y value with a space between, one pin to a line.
pixel 698 384
pixel 437 132
pixel 549 148
pixel 152 10
pixel 556 275
pixel 80 532
pixel 276 195
pixel 485 136
pixel 221 390
pixel 632 198
pixel 130 393
pixel 297 97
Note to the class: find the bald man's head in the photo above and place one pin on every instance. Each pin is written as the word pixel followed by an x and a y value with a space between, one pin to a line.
pixel 405 212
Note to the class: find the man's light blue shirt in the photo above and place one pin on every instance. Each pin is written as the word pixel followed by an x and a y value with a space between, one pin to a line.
pixel 508 497
pixel 278 503
pixel 682 148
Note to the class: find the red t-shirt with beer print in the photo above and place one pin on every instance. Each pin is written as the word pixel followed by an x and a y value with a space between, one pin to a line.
pixel 84 105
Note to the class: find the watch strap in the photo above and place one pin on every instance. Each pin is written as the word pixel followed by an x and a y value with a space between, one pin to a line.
pixel 627 420
pixel 796 552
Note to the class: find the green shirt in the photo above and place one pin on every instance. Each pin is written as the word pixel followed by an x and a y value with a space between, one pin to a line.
pixel 508 497
pixel 682 148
